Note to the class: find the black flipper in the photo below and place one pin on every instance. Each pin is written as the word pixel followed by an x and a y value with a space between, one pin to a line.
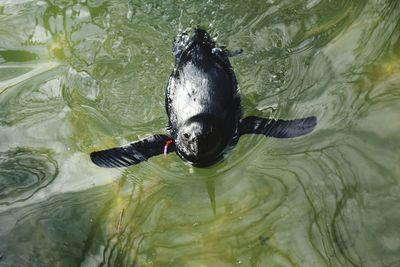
pixel 133 153
pixel 277 128
pixel 234 53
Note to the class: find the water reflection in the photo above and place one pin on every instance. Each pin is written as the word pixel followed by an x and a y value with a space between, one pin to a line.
pixel 79 76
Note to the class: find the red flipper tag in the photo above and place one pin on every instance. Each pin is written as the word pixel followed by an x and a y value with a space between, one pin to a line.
pixel 166 146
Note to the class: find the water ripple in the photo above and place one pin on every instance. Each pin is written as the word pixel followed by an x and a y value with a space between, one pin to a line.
pixel 23 172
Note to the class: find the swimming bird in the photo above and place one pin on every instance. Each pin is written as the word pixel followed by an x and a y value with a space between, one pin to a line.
pixel 202 102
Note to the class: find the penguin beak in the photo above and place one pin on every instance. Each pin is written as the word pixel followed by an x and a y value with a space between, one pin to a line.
pixel 194 147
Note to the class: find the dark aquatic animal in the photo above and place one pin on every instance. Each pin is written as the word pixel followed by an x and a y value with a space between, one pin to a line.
pixel 203 107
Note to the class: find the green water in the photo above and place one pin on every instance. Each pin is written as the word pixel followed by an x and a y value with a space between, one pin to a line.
pixel 79 76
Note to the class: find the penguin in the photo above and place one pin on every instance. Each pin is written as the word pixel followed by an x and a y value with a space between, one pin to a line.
pixel 202 102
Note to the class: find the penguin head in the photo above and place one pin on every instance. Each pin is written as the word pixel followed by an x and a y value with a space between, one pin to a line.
pixel 201 140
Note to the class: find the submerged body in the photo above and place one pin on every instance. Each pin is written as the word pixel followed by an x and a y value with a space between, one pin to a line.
pixel 203 107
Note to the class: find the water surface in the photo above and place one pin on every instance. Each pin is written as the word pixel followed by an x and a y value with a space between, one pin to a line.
pixel 79 76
